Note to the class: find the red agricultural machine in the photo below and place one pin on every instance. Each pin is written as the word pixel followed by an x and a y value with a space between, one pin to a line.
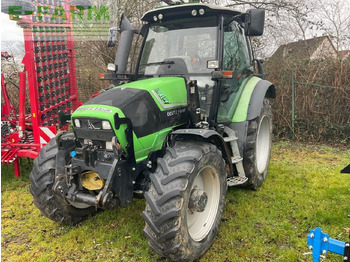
pixel 49 80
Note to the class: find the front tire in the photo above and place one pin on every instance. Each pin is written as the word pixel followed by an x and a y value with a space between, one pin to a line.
pixel 185 202
pixel 257 153
pixel 42 180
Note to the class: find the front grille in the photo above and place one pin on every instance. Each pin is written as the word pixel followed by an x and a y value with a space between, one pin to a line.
pixel 91 123
pixel 91 128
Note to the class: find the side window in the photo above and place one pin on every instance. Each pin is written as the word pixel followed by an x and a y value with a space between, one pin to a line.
pixel 236 53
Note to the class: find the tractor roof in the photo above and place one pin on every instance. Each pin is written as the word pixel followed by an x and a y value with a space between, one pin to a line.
pixel 185 10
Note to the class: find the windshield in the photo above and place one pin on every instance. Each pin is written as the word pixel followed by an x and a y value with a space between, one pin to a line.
pixel 179 48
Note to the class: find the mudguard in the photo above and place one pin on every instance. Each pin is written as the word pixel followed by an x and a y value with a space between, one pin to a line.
pixel 250 106
pixel 263 89
pixel 212 137
pixel 251 99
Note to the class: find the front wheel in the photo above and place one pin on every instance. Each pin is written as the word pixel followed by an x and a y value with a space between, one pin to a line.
pixel 42 179
pixel 185 201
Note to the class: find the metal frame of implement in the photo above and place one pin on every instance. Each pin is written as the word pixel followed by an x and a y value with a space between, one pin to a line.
pixel 49 63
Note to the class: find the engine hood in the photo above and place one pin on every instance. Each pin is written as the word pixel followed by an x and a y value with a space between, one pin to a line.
pixel 151 105
pixel 167 93
pixel 155 106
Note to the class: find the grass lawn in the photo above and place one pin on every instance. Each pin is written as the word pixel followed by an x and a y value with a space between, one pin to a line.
pixel 304 189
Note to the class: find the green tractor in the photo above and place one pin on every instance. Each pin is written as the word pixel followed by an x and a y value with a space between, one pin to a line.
pixel 190 119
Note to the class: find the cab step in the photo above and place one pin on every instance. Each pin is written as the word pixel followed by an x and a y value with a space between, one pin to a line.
pixel 236 180
pixel 236 159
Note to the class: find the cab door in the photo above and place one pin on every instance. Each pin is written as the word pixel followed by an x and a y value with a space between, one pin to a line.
pixel 236 59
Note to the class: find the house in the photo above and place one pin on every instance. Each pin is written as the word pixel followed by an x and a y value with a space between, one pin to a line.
pixel 310 49
pixel 344 55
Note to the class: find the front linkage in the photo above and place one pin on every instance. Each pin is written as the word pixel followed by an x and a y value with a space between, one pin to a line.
pixel 114 173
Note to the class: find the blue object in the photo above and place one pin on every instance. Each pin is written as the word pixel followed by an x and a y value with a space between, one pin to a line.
pixel 320 244
pixel 73 154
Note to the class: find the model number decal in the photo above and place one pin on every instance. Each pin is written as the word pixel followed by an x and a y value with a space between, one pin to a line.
pixel 175 112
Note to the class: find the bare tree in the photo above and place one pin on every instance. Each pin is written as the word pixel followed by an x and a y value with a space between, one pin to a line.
pixel 334 21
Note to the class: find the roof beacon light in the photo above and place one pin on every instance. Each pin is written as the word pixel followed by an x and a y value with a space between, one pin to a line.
pixel 194 12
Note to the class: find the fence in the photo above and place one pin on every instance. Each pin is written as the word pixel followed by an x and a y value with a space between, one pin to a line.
pixel 306 110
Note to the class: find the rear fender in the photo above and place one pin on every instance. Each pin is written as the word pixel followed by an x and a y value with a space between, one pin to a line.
pixel 250 106
pixel 263 89
pixel 252 98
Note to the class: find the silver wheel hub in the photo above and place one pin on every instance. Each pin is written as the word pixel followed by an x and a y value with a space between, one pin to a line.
pixel 198 200
pixel 203 203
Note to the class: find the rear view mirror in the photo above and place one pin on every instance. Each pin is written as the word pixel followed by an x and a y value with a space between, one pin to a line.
pixel 112 39
pixel 254 22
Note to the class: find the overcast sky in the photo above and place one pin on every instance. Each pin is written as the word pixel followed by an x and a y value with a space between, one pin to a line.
pixel 10 31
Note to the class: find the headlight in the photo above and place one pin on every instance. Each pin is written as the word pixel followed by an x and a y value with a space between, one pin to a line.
pixel 106 125
pixel 77 122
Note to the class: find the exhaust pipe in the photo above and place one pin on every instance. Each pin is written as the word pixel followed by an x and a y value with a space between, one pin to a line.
pixel 126 36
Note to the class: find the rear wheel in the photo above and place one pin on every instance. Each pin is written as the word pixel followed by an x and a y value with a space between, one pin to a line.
pixel 42 180
pixel 258 147
pixel 185 201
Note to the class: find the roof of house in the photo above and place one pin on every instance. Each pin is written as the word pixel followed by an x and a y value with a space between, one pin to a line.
pixel 301 49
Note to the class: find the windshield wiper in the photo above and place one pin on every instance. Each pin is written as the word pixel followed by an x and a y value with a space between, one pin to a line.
pixel 167 62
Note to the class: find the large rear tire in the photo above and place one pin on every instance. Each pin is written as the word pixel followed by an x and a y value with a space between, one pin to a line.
pixel 256 156
pixel 42 180
pixel 185 202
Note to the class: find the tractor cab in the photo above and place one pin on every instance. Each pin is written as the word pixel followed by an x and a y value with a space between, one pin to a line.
pixel 202 43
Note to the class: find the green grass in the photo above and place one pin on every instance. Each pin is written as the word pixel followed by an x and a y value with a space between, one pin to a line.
pixel 304 189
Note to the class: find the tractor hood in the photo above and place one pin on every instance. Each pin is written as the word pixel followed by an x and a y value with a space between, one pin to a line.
pixel 153 105
pixel 165 92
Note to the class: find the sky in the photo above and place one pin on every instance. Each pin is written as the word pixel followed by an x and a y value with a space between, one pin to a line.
pixel 10 31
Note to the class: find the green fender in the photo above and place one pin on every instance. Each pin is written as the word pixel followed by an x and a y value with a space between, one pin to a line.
pixel 252 97
pixel 249 107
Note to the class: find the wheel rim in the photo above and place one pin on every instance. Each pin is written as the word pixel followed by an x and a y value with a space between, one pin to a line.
pixel 199 224
pixel 263 144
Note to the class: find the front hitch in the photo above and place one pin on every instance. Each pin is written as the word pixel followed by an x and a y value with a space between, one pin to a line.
pixel 66 188
pixel 106 201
